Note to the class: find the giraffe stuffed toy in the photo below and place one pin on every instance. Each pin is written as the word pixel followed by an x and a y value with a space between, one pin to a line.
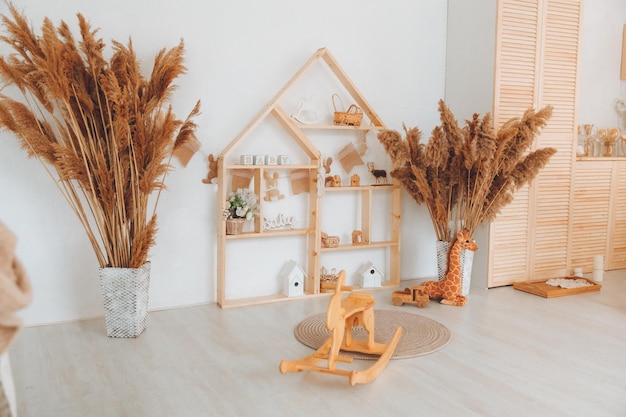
pixel 449 288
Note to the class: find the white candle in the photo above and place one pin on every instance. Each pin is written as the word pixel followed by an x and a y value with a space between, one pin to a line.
pixel 598 262
pixel 598 268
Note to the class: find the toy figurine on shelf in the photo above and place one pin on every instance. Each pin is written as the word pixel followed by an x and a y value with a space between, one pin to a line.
pixel 379 174
pixel 212 170
pixel 357 237
pixel 272 193
pixel 328 179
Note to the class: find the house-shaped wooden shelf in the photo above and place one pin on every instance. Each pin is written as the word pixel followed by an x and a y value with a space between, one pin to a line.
pixel 228 163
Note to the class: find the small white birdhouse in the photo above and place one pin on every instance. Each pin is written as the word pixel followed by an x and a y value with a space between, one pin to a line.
pixel 371 277
pixel 292 276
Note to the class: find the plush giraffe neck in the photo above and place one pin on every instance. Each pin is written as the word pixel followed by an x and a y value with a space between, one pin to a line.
pixel 449 288
pixel 463 241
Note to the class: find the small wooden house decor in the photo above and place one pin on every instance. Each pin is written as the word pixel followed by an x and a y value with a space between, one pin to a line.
pixel 371 276
pixel 293 277
pixel 357 237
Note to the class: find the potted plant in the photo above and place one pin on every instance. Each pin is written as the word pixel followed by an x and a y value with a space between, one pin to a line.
pixel 105 134
pixel 241 205
pixel 466 175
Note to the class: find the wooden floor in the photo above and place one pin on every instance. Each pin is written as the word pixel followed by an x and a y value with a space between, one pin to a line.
pixel 511 354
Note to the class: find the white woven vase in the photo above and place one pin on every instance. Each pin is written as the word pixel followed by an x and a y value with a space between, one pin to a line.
pixel 467 259
pixel 125 297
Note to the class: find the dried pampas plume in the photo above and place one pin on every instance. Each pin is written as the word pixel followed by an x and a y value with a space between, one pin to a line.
pixel 106 131
pixel 466 175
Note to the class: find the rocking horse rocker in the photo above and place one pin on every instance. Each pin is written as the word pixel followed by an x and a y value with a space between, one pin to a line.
pixel 342 315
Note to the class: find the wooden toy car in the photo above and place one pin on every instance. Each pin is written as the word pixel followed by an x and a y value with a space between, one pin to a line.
pixel 414 295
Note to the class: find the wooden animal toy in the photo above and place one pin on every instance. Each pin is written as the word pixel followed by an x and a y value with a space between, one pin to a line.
pixel 342 315
pixel 272 193
pixel 379 174
pixel 355 180
pixel 212 170
pixel 336 181
pixel 328 179
pixel 448 290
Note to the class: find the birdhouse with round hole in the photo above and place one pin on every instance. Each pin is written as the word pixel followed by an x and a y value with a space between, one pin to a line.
pixel 292 276
pixel 371 277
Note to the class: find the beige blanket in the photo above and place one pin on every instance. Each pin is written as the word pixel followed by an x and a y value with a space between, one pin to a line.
pixel 15 289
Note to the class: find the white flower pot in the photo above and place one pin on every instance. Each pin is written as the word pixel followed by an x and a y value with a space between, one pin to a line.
pixel 125 297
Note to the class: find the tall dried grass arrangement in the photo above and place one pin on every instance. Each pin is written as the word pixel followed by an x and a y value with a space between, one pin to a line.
pixel 466 175
pixel 103 132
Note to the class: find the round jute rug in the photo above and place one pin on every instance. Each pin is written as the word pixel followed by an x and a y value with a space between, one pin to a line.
pixel 420 335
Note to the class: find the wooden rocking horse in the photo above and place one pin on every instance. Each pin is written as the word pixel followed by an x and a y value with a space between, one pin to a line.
pixel 342 315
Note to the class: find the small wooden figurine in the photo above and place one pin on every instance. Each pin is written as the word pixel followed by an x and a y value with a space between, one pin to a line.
pixel 355 180
pixel 379 174
pixel 342 315
pixel 328 179
pixel 212 170
pixel 272 193
pixel 357 237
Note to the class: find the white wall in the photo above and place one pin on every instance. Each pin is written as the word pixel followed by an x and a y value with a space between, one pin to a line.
pixel 601 51
pixel 239 53
pixel 469 84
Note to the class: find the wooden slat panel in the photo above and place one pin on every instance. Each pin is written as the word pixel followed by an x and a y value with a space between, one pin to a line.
pixel 537 51
pixel 590 213
pixel 617 253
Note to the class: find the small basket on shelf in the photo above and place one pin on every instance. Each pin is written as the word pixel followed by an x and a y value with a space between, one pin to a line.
pixel 328 281
pixel 329 241
pixel 351 117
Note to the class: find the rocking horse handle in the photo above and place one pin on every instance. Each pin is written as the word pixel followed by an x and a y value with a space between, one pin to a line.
pixel 334 304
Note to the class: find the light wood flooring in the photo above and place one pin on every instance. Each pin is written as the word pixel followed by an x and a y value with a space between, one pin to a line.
pixel 511 354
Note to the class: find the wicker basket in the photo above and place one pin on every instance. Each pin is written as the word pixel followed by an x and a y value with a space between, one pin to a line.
pixel 125 298
pixel 330 241
pixel 351 117
pixel 328 281
pixel 234 226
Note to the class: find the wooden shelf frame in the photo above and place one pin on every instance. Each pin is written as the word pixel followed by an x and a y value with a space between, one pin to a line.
pixel 312 232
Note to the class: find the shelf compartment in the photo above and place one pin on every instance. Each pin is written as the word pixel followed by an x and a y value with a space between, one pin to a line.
pixel 340 127
pixel 253 167
pixel 277 298
pixel 359 188
pixel 272 233
pixel 371 245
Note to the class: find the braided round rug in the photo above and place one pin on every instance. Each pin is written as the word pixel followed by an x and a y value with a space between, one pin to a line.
pixel 420 335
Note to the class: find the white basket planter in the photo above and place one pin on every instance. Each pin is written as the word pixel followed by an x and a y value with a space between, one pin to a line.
pixel 125 297
pixel 467 260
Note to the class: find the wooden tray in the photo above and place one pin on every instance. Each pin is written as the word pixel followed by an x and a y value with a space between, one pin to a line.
pixel 542 289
